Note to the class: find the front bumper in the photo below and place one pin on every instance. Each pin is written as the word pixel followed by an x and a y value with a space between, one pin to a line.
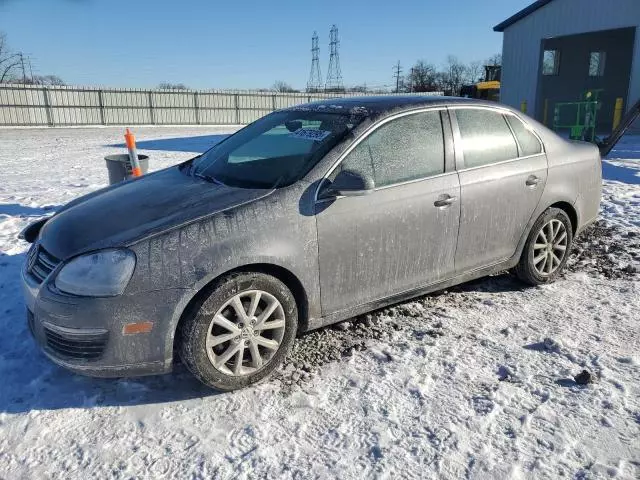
pixel 86 335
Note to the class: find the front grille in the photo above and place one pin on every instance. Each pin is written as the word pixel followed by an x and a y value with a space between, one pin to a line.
pixel 43 264
pixel 76 346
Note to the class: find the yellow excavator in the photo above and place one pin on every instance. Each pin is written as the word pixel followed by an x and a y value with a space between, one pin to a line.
pixel 488 89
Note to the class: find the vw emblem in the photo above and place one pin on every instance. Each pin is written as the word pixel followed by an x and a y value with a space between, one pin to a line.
pixel 32 256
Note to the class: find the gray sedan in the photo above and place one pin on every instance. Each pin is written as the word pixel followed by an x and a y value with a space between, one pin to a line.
pixel 306 217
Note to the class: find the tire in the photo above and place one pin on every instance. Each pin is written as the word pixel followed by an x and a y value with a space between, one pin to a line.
pixel 532 268
pixel 200 335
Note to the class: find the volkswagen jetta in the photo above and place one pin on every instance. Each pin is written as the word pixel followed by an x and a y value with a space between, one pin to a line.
pixel 308 216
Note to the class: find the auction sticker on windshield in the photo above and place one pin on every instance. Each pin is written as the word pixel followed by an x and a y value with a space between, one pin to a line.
pixel 310 134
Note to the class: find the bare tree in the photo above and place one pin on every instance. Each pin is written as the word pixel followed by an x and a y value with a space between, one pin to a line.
pixel 49 80
pixel 40 80
pixel 422 78
pixel 442 82
pixel 12 68
pixel 9 61
pixel 455 73
pixel 495 59
pixel 475 72
pixel 172 86
pixel 282 87
pixel 357 89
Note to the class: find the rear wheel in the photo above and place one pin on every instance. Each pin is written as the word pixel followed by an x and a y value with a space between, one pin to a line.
pixel 547 248
pixel 240 332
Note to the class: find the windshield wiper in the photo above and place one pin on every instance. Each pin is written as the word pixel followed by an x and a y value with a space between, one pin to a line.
pixel 207 178
pixel 204 177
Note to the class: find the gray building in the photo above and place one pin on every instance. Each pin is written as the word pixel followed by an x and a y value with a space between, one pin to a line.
pixel 556 50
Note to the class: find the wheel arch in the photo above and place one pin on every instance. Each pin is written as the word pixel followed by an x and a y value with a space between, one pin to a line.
pixel 571 212
pixel 563 205
pixel 283 274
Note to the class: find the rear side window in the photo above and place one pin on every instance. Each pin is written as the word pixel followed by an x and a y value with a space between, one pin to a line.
pixel 486 137
pixel 529 143
pixel 407 148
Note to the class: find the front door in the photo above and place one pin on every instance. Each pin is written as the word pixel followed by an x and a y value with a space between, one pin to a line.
pixel 503 171
pixel 401 236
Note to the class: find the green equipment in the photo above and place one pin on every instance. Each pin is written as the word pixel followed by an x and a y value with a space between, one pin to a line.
pixel 578 117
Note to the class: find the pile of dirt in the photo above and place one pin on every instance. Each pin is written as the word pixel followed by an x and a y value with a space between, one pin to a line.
pixel 334 343
pixel 421 318
pixel 604 249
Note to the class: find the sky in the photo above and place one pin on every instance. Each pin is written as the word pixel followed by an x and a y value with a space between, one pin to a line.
pixel 245 44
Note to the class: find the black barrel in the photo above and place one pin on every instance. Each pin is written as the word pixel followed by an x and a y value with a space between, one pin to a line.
pixel 119 167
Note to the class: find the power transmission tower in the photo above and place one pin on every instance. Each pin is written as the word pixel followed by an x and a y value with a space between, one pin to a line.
pixel 315 77
pixel 334 74
pixel 398 71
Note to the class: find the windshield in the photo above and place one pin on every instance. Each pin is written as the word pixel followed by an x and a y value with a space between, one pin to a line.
pixel 276 150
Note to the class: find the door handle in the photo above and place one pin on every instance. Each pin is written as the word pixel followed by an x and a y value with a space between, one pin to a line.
pixel 444 201
pixel 532 181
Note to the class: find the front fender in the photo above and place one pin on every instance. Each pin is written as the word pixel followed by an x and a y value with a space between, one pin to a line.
pixel 190 258
pixel 258 264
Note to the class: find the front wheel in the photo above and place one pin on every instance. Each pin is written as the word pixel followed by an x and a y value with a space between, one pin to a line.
pixel 547 248
pixel 240 331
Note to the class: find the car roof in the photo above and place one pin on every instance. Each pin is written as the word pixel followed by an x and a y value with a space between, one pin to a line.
pixel 375 105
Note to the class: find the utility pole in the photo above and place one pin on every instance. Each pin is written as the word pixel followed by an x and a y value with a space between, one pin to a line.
pixel 398 71
pixel 24 72
pixel 30 69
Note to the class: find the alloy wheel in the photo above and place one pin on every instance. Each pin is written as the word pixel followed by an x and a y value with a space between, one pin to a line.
pixel 245 333
pixel 550 247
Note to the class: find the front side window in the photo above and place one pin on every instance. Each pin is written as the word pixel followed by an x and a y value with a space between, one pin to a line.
pixel 276 150
pixel 550 62
pixel 529 143
pixel 486 137
pixel 596 63
pixel 407 148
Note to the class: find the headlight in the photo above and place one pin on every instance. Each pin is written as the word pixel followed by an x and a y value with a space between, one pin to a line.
pixel 101 274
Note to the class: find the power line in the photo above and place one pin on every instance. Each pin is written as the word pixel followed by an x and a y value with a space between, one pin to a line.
pixel 315 77
pixel 334 74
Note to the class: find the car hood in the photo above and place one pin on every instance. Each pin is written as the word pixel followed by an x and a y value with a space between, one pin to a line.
pixel 123 214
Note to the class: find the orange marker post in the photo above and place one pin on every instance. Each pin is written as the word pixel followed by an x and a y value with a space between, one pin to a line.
pixel 133 153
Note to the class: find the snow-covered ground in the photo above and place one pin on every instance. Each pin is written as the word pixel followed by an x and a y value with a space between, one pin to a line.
pixel 473 382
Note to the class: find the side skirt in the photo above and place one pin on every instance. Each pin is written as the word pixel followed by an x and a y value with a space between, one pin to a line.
pixel 401 297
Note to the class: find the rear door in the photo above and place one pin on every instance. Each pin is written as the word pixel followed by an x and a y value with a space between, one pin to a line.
pixel 503 171
pixel 402 235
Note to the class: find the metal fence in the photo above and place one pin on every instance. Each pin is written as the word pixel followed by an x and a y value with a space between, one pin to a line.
pixel 29 105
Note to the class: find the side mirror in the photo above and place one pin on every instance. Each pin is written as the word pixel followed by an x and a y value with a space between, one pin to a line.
pixel 31 231
pixel 349 183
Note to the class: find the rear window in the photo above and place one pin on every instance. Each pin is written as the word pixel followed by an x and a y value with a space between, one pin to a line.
pixel 529 143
